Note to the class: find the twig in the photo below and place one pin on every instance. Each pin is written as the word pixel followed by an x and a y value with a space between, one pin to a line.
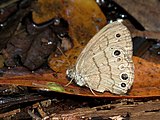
pixel 153 35
pixel 148 110
pixel 10 113
pixel 146 34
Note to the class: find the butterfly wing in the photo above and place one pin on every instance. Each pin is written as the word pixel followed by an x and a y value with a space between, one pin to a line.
pixel 106 62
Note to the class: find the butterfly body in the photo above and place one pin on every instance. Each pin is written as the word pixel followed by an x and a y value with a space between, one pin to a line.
pixel 105 64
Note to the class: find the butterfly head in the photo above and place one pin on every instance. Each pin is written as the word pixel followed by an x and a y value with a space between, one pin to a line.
pixel 72 74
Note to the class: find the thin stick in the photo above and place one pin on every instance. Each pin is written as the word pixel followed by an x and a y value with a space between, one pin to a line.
pixel 146 34
pixel 153 35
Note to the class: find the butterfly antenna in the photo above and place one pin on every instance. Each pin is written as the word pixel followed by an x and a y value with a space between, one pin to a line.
pixel 69 65
pixel 64 55
pixel 69 82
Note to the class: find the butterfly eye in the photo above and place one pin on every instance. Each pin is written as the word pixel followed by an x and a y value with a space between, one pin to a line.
pixel 123 85
pixel 118 35
pixel 124 76
pixel 117 52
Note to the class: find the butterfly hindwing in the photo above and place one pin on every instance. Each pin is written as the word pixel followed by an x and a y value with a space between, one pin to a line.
pixel 106 62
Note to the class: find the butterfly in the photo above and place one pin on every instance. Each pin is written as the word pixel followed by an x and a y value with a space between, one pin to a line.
pixel 105 64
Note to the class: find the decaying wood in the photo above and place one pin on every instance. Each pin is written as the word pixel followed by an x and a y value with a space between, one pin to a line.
pixel 148 110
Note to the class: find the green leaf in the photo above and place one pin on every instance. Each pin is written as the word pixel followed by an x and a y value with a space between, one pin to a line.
pixel 55 87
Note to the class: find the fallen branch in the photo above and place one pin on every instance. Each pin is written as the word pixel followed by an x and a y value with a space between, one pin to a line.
pixel 153 35
pixel 148 110
pixel 146 34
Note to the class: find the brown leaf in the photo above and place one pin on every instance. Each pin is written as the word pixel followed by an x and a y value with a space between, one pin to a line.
pixel 146 83
pixel 84 17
